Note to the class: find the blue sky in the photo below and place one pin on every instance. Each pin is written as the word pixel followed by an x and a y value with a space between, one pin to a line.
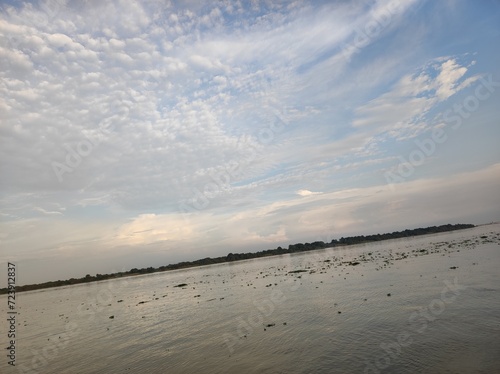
pixel 138 134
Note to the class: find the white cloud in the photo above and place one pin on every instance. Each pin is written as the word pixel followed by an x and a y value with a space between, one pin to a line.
pixel 401 112
pixel 307 193
pixel 448 77
pixel 43 211
pixel 172 96
pixel 152 228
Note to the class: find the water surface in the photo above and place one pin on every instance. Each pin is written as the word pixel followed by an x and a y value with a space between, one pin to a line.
pixel 255 317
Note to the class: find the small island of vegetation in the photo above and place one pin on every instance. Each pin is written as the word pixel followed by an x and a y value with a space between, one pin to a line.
pixel 292 248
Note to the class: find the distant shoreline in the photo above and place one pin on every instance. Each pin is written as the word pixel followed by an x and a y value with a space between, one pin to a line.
pixel 231 257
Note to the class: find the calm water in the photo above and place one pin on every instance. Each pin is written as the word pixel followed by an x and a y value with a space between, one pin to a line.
pixel 437 319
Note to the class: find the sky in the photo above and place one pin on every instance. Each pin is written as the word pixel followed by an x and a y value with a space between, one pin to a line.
pixel 143 133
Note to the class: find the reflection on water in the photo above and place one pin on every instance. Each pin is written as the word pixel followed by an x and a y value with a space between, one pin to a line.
pixel 426 304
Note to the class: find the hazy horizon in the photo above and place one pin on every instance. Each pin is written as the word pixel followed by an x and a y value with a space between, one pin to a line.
pixel 222 254
pixel 137 134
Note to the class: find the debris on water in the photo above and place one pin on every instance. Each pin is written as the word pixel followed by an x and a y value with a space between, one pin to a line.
pixel 181 285
pixel 111 317
pixel 388 294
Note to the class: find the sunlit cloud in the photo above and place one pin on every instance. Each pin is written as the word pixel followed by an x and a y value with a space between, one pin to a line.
pixel 141 128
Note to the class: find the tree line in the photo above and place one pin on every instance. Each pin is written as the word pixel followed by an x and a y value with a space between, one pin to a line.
pixel 292 248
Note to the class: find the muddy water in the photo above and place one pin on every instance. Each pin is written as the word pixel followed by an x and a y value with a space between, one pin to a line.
pixel 426 304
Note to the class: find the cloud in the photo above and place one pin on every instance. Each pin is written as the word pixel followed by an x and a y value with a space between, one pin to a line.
pixel 307 193
pixel 146 106
pixel 151 228
pixel 43 211
pixel 402 111
pixel 447 80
